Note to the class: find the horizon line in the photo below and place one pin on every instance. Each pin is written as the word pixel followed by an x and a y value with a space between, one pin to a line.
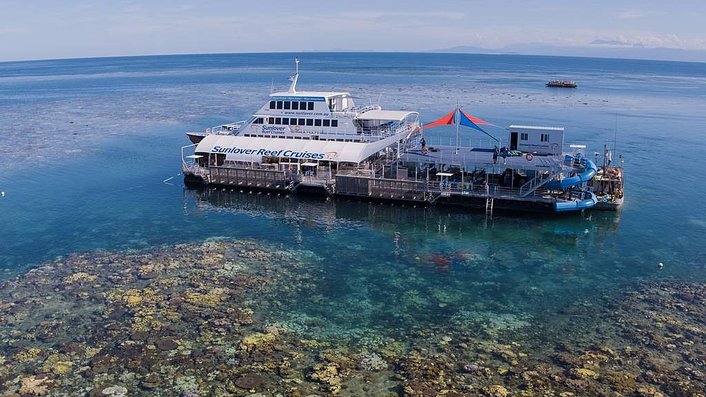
pixel 480 51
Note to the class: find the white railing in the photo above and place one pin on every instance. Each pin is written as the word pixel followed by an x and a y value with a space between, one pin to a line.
pixel 365 108
pixel 449 141
pixel 227 129
pixel 183 155
pixel 477 189
pixel 354 111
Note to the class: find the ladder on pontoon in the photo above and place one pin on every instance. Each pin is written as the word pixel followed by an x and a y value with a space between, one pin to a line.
pixel 489 203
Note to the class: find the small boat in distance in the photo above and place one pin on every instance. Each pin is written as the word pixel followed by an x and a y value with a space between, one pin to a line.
pixel 562 83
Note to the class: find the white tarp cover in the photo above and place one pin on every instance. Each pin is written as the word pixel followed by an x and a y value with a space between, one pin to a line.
pixel 387 115
pixel 241 148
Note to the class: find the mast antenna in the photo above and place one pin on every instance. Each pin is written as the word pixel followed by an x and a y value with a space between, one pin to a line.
pixel 294 78
pixel 615 133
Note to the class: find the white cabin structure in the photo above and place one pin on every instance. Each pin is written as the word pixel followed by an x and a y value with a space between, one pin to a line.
pixel 536 140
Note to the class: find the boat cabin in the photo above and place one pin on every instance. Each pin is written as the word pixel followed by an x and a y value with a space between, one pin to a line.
pixel 536 140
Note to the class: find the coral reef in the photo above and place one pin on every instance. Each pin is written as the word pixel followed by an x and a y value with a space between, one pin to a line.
pixel 197 320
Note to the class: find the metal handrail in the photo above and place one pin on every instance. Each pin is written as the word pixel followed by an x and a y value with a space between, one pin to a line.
pixel 183 156
pixel 479 189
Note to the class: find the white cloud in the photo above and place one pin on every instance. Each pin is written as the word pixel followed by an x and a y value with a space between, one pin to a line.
pixel 648 41
pixel 632 14
pixel 392 15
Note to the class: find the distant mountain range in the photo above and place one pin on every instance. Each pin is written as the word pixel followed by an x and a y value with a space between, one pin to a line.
pixel 598 50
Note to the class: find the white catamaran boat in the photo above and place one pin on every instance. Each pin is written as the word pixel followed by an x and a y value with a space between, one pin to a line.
pixel 302 138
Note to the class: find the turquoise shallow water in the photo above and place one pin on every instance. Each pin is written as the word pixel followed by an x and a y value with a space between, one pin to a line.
pixel 90 161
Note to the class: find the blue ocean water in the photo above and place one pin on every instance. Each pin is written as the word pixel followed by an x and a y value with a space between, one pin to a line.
pixel 90 161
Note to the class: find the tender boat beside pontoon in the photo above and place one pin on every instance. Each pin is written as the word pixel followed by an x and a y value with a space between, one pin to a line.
pixel 608 182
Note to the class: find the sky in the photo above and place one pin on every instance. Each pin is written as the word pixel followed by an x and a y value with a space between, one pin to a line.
pixel 43 29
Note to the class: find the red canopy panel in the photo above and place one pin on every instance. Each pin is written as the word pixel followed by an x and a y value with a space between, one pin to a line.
pixel 448 119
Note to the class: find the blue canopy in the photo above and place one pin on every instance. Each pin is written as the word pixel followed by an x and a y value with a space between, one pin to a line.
pixel 465 119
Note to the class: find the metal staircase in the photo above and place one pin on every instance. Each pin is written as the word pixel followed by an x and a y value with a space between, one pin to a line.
pixel 540 179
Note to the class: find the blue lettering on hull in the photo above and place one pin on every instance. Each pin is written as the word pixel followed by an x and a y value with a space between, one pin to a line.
pixel 273 153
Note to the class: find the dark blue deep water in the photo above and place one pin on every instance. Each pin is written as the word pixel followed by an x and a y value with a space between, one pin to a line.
pixel 89 160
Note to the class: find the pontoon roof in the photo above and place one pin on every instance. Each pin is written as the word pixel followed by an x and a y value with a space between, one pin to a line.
pixel 309 94
pixel 535 127
pixel 388 115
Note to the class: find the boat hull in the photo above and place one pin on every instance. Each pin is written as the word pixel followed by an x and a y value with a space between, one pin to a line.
pixel 608 205
pixel 195 137
pixel 562 84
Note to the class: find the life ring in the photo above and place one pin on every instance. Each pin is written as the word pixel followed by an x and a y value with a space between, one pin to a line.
pixel 297 128
pixel 529 156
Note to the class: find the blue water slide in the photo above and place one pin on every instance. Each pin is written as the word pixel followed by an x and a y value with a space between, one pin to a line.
pixel 576 205
pixel 588 173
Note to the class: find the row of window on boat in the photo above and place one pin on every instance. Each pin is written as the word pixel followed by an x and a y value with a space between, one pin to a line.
pixel 297 121
pixel 289 105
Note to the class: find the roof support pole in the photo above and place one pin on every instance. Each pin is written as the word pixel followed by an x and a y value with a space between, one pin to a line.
pixel 457 123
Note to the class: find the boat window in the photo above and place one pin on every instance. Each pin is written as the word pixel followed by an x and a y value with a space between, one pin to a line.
pixel 292 121
pixel 279 104
pixel 258 120
pixel 302 105
pixel 309 122
pixel 286 105
pixel 278 120
pixel 311 105
pixel 272 104
pixel 544 137
pixel 285 120
pixel 334 123
pixel 270 120
pixel 317 122
pixel 302 121
pixel 295 105
pixel 327 123
pixel 524 136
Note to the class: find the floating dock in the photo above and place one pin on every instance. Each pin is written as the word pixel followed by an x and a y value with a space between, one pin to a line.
pixel 511 183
